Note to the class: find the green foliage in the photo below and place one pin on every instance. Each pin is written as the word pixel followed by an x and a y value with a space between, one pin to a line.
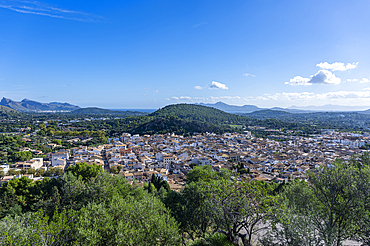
pixel 21 156
pixel 92 111
pixel 40 172
pixel 216 239
pixel 206 173
pixel 13 172
pixel 38 229
pixel 158 183
pixel 85 171
pixel 189 207
pixel 115 169
pixel 6 112
pixel 343 121
pixel 331 209
pixel 16 195
pixel 172 124
pixel 197 113
pixel 31 171
pixel 240 209
pixel 57 141
pixel 102 210
pixel 53 171
pixel 127 222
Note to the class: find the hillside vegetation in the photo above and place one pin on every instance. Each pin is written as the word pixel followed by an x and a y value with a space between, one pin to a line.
pixel 172 124
pixel 215 116
pixel 103 112
pixel 198 113
pixel 8 112
pixel 345 121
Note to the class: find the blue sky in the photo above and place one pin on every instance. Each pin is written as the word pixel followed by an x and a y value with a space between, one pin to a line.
pixel 147 54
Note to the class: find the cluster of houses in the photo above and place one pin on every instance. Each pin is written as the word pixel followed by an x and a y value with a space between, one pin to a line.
pixel 171 156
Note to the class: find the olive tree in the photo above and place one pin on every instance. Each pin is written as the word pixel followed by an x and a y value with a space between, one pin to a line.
pixel 240 209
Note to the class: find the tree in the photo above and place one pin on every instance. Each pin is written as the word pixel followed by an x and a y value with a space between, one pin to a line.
pixel 15 195
pixel 206 173
pixel 13 172
pixel 115 169
pixel 21 156
pixel 31 171
pixel 158 183
pixel 189 207
pixel 38 228
pixel 129 221
pixel 53 171
pixel 2 174
pixel 293 224
pixel 331 209
pixel 338 191
pixel 57 141
pixel 241 209
pixel 40 172
pixel 84 170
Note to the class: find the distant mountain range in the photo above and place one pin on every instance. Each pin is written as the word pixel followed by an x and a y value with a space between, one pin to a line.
pixel 331 107
pixel 27 105
pixel 10 107
pixel 232 108
pixel 32 106
pixel 294 109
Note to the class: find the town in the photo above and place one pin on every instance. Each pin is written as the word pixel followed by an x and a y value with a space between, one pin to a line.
pixel 170 156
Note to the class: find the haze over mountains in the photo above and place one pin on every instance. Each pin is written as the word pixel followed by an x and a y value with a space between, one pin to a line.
pixel 293 109
pixel 27 105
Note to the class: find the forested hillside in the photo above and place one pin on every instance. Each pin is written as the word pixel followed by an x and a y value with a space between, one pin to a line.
pixel 218 117
pixel 198 113
pixel 93 111
pixel 345 121
pixel 172 124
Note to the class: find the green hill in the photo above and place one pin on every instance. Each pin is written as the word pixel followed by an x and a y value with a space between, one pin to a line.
pixel 172 124
pixel 198 113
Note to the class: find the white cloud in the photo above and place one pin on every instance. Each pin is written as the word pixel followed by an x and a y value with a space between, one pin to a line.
pixel 198 87
pixel 212 99
pixel 310 96
pixel 182 98
pixel 218 85
pixel 298 80
pixel 364 80
pixel 321 77
pixel 40 8
pixel 337 66
pixel 324 77
pixel 248 74
pixel 359 98
pixel 352 80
